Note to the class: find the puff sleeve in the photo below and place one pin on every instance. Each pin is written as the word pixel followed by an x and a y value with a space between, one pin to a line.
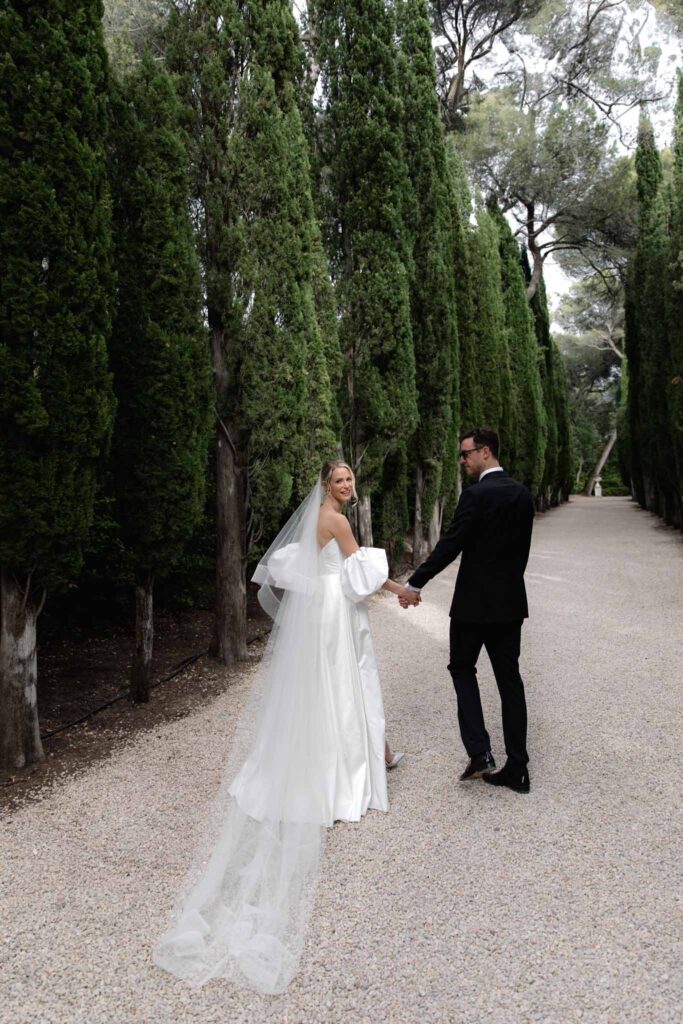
pixel 363 573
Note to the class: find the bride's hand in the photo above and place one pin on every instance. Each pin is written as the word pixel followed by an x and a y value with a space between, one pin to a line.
pixel 407 597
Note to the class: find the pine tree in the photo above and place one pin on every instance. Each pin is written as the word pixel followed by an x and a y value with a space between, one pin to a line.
pixel 159 348
pixel 239 64
pixel 430 221
pixel 366 183
pixel 56 401
pixel 526 457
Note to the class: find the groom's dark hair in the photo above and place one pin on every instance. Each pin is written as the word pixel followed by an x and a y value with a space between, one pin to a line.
pixel 483 436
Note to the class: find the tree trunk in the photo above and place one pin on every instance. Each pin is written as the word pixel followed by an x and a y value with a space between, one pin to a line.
pixel 435 524
pixel 141 669
pixel 597 469
pixel 364 519
pixel 419 541
pixel 230 633
pixel 229 641
pixel 425 536
pixel 579 472
pixel 534 252
pixel 19 729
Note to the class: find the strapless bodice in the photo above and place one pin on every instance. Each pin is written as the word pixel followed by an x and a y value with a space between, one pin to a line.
pixel 331 559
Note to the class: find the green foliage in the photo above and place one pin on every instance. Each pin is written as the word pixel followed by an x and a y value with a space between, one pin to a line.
pixel 433 224
pixel 674 383
pixel 366 184
pixel 549 167
pixel 623 447
pixel 56 403
pixel 562 484
pixel 648 343
pixel 130 28
pixel 471 413
pixel 259 244
pixel 556 482
pixel 526 452
pixel 671 12
pixel 491 353
pixel 159 348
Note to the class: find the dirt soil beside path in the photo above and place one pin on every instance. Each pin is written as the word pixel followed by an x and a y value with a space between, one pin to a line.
pixel 78 675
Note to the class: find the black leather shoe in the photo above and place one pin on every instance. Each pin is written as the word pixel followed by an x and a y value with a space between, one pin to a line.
pixel 513 778
pixel 479 767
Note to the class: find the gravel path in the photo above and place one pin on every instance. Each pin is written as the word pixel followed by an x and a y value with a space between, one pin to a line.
pixel 464 904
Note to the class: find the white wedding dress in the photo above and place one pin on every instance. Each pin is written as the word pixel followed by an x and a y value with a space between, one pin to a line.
pixel 308 751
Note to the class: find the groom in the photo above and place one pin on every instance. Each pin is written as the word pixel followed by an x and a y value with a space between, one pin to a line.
pixel 492 529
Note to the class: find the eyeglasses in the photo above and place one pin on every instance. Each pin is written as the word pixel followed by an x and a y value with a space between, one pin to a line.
pixel 464 452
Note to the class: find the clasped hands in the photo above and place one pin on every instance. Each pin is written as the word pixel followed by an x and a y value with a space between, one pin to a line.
pixel 409 597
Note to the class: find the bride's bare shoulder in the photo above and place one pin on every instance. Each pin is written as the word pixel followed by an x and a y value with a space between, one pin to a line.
pixel 333 524
pixel 336 525
pixel 327 521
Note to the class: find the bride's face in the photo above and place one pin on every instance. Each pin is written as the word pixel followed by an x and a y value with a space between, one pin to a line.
pixel 341 484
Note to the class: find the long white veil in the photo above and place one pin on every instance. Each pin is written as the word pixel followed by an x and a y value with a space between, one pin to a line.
pixel 244 906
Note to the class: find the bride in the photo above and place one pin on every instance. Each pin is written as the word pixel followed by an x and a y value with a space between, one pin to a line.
pixel 308 750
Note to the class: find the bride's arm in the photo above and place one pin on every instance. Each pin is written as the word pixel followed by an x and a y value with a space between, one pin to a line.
pixel 394 588
pixel 343 534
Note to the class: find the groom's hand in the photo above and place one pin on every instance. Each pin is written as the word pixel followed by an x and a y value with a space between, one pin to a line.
pixel 408 597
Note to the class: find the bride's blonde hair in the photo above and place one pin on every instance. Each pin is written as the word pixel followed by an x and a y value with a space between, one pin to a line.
pixel 329 468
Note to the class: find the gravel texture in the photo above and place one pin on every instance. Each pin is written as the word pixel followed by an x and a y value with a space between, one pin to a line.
pixel 463 904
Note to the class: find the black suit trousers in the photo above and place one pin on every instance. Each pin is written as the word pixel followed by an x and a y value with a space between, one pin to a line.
pixel 502 643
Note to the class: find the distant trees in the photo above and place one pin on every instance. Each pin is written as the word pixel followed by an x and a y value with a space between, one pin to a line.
pixel 591 315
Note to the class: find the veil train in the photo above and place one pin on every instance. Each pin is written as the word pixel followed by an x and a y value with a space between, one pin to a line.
pixel 244 906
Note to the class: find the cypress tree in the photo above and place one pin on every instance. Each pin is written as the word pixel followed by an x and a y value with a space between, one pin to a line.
pixel 494 375
pixel 159 350
pixel 541 317
pixel 366 184
pixel 430 221
pixel 286 399
pixel 526 457
pixel 647 336
pixel 207 47
pixel 674 392
pixel 56 400
pixel 564 473
pixel 471 412
pixel 630 451
pixel 623 435
pixel 264 280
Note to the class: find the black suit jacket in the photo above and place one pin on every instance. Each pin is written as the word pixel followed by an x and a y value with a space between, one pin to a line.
pixel 492 529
